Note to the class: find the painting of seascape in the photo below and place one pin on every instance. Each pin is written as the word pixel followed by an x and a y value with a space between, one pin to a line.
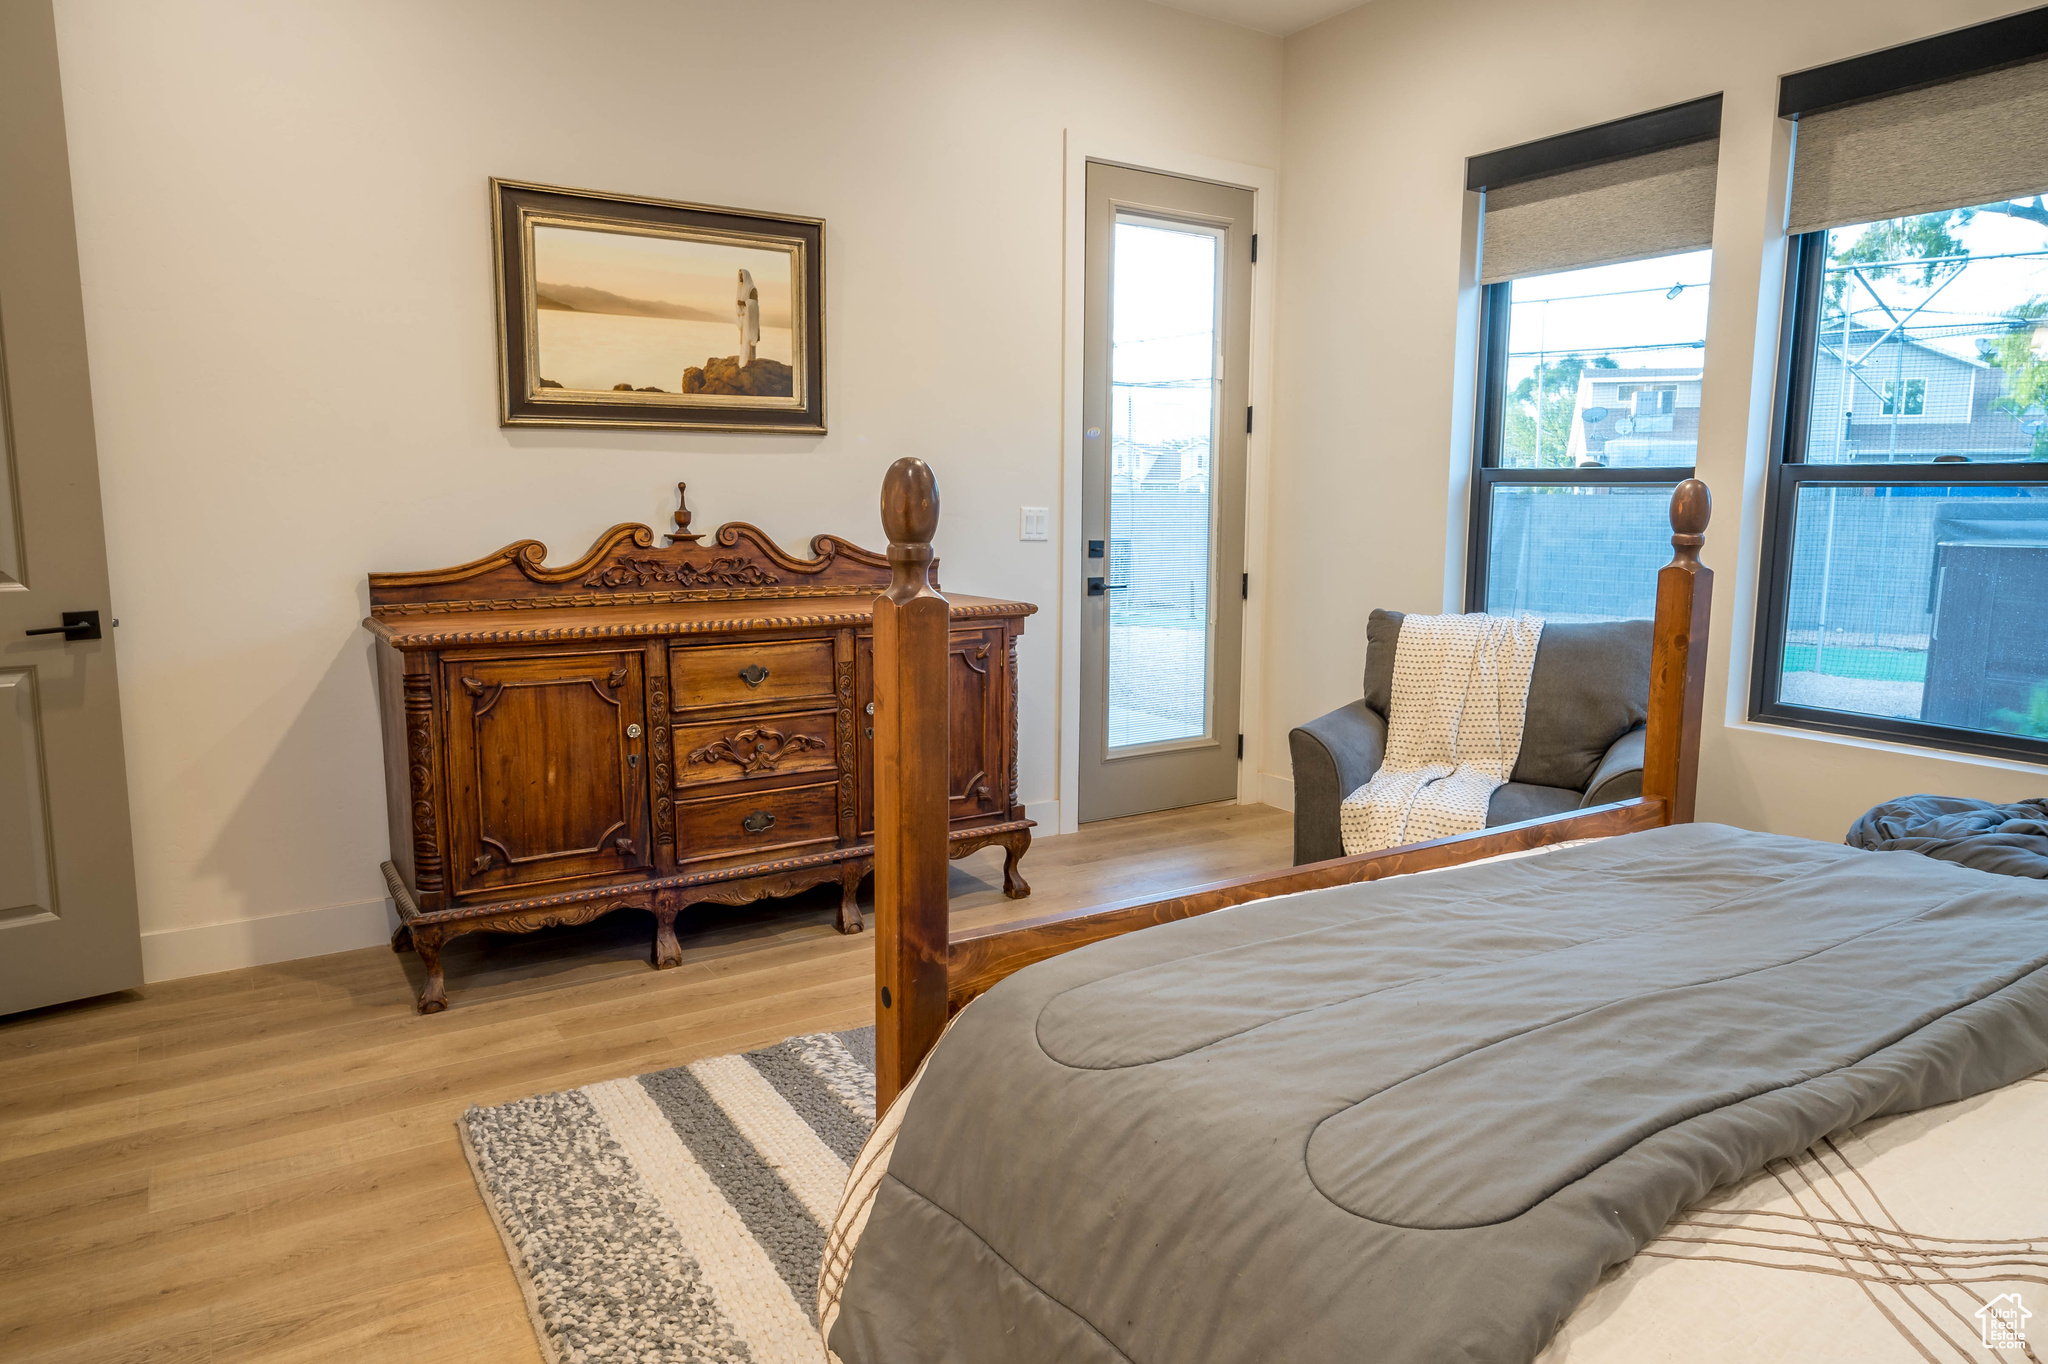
pixel 623 309
pixel 641 312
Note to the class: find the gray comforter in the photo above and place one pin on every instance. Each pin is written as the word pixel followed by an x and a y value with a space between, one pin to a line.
pixel 2011 840
pixel 1411 1122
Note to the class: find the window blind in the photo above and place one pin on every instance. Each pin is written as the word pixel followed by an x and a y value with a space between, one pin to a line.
pixel 1972 140
pixel 1650 205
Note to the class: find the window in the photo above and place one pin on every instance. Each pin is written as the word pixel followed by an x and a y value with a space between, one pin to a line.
pixel 1906 593
pixel 1589 417
pixel 1916 399
pixel 1904 583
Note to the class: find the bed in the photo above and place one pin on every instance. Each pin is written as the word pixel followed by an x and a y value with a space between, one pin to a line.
pixel 1373 1114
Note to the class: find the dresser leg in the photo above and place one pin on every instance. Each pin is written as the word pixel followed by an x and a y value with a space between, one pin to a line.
pixel 434 996
pixel 1014 848
pixel 401 940
pixel 667 951
pixel 849 898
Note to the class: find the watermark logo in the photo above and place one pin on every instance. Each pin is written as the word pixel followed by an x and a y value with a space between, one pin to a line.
pixel 2003 1322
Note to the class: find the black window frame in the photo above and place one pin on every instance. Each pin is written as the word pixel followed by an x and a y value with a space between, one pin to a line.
pixel 1495 311
pixel 1805 274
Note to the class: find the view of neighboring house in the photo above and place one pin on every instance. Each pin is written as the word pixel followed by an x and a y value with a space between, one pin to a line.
pixel 1173 466
pixel 1894 399
pixel 1636 418
pixel 1897 398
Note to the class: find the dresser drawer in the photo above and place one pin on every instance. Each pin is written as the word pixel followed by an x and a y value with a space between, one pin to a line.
pixel 754 748
pixel 750 674
pixel 757 825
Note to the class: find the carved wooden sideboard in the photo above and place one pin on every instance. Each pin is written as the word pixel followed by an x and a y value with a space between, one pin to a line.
pixel 656 728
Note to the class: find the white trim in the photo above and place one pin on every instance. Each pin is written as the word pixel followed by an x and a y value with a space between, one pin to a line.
pixel 1925 754
pixel 1276 791
pixel 1465 405
pixel 1047 813
pixel 1082 146
pixel 202 949
pixel 1735 539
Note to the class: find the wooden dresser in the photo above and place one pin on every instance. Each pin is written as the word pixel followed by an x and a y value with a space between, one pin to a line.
pixel 655 728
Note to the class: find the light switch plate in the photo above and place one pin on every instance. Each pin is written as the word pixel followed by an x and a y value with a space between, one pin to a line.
pixel 1036 524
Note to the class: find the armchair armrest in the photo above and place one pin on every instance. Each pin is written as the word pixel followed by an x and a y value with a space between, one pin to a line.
pixel 1620 773
pixel 1333 756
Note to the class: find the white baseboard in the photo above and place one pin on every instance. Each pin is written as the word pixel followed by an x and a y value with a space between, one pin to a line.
pixel 173 953
pixel 1277 792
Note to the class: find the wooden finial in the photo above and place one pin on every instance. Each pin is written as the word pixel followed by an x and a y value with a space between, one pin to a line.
pixel 910 517
pixel 682 534
pixel 1692 506
pixel 910 503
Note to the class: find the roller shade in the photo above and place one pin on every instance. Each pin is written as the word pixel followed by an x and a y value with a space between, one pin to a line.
pixel 1975 140
pixel 1652 204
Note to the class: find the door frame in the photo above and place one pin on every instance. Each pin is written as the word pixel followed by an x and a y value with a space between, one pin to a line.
pixel 1083 145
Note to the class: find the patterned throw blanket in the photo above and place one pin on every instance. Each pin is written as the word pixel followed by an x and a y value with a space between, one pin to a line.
pixel 1454 729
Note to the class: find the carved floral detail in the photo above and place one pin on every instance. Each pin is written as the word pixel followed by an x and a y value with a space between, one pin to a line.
pixel 848 765
pixel 730 570
pixel 419 744
pixel 1014 749
pixel 755 749
pixel 664 804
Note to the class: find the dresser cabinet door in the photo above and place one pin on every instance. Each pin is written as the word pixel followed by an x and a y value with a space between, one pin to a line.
pixel 977 689
pixel 978 738
pixel 547 769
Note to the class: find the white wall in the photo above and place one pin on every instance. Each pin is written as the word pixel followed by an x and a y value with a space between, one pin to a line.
pixel 1383 105
pixel 284 232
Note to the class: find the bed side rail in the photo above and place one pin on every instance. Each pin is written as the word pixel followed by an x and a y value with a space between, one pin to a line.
pixel 978 958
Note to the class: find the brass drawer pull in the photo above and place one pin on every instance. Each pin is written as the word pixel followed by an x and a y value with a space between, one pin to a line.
pixel 759 822
pixel 753 674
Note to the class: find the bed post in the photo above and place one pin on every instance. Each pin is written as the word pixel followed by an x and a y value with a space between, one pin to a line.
pixel 1678 664
pixel 911 625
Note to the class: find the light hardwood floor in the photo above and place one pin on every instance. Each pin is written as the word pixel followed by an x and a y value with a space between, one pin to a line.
pixel 262 1164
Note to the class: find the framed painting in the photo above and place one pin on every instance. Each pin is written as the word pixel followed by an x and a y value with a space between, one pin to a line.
pixel 622 311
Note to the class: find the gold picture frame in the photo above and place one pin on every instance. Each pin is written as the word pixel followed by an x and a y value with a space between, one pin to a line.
pixel 622 311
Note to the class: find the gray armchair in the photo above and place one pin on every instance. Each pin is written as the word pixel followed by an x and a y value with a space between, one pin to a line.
pixel 1582 743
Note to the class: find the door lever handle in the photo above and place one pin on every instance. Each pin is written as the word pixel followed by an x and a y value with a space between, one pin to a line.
pixel 1096 587
pixel 77 625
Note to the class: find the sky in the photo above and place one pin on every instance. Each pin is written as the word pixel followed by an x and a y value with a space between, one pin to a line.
pixel 1553 316
pixel 1164 309
pixel 1979 295
pixel 1163 325
pixel 662 269
pixel 1602 309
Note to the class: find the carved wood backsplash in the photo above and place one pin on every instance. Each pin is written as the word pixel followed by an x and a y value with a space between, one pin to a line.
pixel 626 568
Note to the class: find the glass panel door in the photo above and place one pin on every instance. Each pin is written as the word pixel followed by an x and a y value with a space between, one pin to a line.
pixel 1163 399
pixel 1166 361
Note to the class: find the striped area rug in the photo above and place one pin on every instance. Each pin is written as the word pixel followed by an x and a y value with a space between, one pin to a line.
pixel 679 1216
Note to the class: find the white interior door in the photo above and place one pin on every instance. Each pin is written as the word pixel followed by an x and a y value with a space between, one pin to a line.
pixel 67 872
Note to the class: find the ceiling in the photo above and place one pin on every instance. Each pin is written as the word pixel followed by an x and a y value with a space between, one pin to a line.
pixel 1277 17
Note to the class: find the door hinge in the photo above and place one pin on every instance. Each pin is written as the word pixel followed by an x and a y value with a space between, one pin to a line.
pixel 1255 248
pixel 1244 589
pixel 1240 748
pixel 1247 419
